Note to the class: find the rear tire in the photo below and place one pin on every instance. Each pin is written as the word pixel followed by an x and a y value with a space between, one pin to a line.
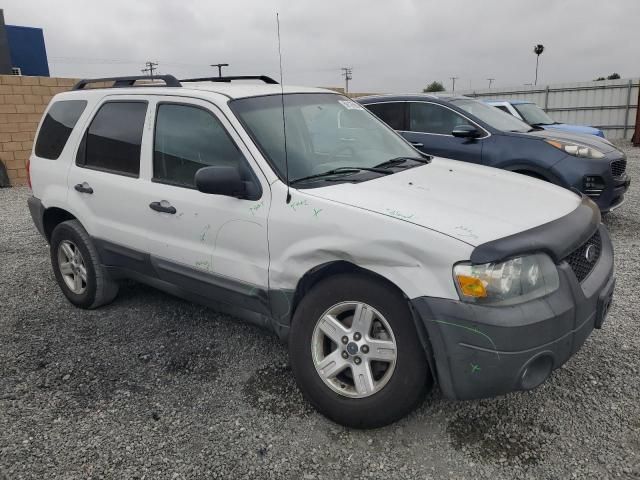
pixel 76 266
pixel 326 367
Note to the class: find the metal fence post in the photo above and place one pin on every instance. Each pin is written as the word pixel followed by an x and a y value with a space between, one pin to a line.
pixel 626 112
pixel 546 98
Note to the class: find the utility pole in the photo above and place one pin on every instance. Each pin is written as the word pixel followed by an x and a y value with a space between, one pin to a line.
pixel 538 49
pixel 453 79
pixel 219 65
pixel 490 81
pixel 151 67
pixel 347 74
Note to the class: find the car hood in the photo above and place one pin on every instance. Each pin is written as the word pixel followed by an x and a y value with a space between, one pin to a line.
pixel 471 203
pixel 589 140
pixel 581 129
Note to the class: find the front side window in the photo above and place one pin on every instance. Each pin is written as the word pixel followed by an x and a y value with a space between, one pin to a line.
pixel 391 113
pixel 324 132
pixel 57 126
pixel 114 138
pixel 188 138
pixel 432 118
pixel 503 108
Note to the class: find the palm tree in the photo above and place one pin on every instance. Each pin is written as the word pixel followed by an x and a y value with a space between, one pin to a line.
pixel 538 49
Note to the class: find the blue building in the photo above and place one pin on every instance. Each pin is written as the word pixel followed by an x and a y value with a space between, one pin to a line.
pixel 22 50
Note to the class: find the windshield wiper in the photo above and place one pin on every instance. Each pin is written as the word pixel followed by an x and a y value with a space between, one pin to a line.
pixel 399 160
pixel 337 171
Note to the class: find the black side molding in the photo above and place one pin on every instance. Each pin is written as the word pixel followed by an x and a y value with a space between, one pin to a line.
pixel 557 238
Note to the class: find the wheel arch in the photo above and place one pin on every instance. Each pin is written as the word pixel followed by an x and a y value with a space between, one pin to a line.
pixel 314 275
pixel 526 168
pixel 52 217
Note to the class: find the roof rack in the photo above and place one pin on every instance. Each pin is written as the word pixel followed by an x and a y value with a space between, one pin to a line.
pixel 264 78
pixel 119 82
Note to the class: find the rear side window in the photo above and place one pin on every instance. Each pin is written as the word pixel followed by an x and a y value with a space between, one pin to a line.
pixel 391 113
pixel 188 138
pixel 113 140
pixel 57 126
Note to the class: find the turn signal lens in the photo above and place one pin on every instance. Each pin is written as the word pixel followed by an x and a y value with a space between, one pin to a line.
pixel 471 287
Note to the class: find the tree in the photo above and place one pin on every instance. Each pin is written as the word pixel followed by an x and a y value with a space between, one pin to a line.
pixel 613 76
pixel 434 87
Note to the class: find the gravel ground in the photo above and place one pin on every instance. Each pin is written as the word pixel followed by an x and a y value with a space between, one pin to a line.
pixel 154 387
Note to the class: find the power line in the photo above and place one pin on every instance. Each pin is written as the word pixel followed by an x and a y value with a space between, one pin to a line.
pixel 490 81
pixel 151 67
pixel 219 65
pixel 347 73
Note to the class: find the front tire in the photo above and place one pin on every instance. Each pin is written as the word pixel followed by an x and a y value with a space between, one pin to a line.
pixel 355 353
pixel 77 268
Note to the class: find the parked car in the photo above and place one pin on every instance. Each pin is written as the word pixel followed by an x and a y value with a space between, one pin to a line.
pixel 384 269
pixel 532 114
pixel 466 129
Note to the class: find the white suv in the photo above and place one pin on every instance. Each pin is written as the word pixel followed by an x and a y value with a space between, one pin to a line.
pixel 385 269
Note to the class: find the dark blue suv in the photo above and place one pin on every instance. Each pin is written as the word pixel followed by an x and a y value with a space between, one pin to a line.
pixel 465 129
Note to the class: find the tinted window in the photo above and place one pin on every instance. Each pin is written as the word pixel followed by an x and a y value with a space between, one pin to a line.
pixel 390 113
pixel 57 126
pixel 114 137
pixel 432 118
pixel 503 108
pixel 187 139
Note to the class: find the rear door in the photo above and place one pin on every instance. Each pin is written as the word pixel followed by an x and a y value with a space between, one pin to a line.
pixel 429 129
pixel 104 182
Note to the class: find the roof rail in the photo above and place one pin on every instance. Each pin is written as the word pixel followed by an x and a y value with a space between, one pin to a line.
pixel 264 78
pixel 118 82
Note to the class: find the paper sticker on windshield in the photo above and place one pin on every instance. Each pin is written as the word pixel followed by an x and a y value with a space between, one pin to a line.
pixel 350 105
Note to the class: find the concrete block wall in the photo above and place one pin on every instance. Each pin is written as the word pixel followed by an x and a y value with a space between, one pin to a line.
pixel 22 102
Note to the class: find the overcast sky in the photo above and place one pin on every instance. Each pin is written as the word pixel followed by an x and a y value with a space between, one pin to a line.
pixel 393 46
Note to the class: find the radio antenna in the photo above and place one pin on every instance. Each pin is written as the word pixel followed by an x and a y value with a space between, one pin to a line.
pixel 284 121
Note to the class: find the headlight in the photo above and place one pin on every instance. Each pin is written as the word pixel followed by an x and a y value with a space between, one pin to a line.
pixel 506 283
pixel 575 149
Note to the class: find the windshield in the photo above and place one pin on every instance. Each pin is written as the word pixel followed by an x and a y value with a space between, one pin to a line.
pixel 533 114
pixel 324 132
pixel 492 116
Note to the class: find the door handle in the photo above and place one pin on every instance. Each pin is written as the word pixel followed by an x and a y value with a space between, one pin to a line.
pixel 417 144
pixel 84 188
pixel 163 206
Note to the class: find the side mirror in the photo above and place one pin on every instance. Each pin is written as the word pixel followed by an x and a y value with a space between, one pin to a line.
pixel 221 181
pixel 465 131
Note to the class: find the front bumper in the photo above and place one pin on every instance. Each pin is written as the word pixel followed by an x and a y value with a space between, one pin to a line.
pixel 574 170
pixel 482 351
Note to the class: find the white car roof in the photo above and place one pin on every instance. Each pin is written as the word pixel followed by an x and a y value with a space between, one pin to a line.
pixel 230 90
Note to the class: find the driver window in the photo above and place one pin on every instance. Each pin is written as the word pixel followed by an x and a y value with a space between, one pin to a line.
pixel 432 118
pixel 186 139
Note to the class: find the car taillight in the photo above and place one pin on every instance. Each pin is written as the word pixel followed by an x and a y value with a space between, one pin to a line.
pixel 29 173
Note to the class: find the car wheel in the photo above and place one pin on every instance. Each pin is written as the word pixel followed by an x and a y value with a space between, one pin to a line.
pixel 77 267
pixel 355 353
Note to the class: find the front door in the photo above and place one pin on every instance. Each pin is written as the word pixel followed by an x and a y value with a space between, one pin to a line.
pixel 213 245
pixel 429 129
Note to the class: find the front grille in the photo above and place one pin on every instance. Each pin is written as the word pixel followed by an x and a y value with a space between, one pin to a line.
pixel 577 259
pixel 618 167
